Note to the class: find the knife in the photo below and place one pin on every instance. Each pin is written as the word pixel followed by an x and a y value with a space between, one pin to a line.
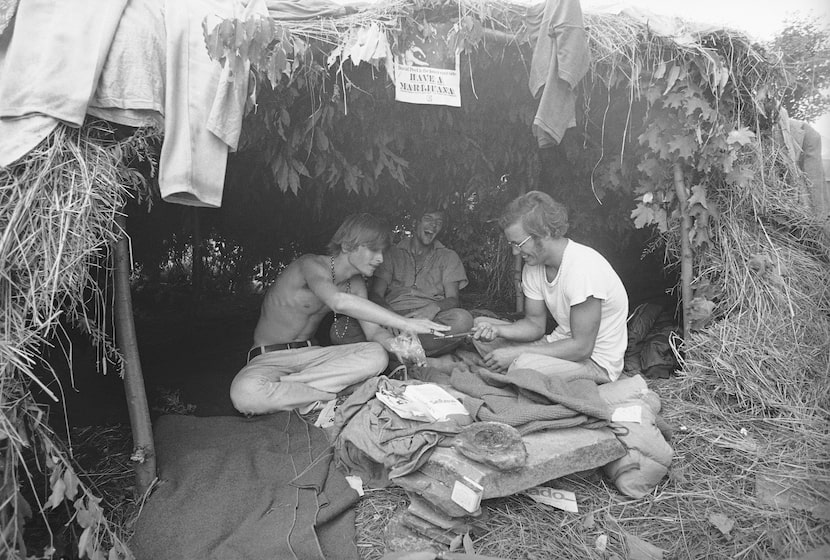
pixel 457 335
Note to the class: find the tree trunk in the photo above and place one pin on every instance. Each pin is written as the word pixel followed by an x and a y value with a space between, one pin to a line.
pixel 686 257
pixel 144 453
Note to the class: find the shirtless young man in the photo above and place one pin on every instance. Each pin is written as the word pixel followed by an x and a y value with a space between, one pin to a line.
pixel 286 369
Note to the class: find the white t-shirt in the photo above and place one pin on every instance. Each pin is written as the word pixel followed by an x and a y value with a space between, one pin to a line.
pixel 584 273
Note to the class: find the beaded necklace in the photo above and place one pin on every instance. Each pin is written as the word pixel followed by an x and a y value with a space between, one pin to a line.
pixel 427 260
pixel 348 291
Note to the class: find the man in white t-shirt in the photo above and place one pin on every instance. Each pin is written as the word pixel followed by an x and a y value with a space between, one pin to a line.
pixel 575 283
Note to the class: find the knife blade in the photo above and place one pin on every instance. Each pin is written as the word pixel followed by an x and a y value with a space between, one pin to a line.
pixel 457 335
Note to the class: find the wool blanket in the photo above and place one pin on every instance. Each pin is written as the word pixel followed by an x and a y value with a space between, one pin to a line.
pixel 234 488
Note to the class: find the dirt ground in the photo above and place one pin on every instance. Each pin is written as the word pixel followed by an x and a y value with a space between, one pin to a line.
pixel 189 353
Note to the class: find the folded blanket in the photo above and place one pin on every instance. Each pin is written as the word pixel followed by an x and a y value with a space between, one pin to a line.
pixel 236 488
pixel 531 401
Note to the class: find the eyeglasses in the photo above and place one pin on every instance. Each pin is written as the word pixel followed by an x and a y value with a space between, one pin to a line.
pixel 520 243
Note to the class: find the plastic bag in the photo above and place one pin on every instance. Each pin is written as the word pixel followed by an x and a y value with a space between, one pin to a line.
pixel 408 349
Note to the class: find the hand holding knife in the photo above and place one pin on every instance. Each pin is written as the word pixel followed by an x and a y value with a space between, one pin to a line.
pixel 457 335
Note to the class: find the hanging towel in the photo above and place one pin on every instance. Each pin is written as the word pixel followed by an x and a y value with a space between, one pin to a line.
pixel 50 61
pixel 204 102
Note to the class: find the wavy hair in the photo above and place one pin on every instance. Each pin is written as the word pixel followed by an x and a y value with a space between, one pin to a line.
pixel 360 229
pixel 539 215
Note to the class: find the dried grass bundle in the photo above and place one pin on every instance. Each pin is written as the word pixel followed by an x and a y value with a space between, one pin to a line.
pixel 57 216
pixel 768 267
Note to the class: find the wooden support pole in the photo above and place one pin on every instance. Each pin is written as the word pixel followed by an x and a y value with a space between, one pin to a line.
pixel 517 284
pixel 686 257
pixel 144 453
pixel 518 263
pixel 197 265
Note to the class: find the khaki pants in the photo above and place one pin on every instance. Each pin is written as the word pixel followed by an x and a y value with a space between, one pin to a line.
pixel 289 379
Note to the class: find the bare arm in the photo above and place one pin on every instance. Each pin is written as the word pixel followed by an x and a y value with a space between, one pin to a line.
pixel 529 328
pixel 585 319
pixel 319 281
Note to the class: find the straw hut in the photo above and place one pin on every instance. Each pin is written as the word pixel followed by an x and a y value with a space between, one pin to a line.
pixel 675 135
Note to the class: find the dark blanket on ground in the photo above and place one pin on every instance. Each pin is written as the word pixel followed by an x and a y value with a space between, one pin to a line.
pixel 240 488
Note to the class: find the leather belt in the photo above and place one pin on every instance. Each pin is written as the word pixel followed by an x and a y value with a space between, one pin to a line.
pixel 257 350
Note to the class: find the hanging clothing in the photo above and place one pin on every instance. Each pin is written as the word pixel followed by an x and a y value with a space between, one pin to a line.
pixel 560 61
pixel 204 102
pixel 51 57
pixel 131 87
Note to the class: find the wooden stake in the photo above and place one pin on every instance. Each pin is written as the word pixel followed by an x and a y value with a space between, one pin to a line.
pixel 686 257
pixel 517 274
pixel 197 265
pixel 144 453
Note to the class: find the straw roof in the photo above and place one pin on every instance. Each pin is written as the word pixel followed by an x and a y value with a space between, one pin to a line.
pixel 752 398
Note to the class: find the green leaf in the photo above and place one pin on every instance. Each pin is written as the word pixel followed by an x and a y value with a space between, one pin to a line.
pixel 661 220
pixel 321 141
pixel 71 482
pixel 83 517
pixel 638 549
pixel 240 39
pixel 227 33
pixel 723 523
pixel 742 136
pixel 213 42
pixel 294 181
pixel 698 196
pixel 83 542
pixel 695 103
pixel 642 215
pixel 58 493
pixel 682 145
pixel 674 72
pixel 299 167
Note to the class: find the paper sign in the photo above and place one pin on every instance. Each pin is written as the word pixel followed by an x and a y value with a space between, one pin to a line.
pixel 628 414
pixel 561 499
pixel 467 493
pixel 427 86
pixel 426 71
